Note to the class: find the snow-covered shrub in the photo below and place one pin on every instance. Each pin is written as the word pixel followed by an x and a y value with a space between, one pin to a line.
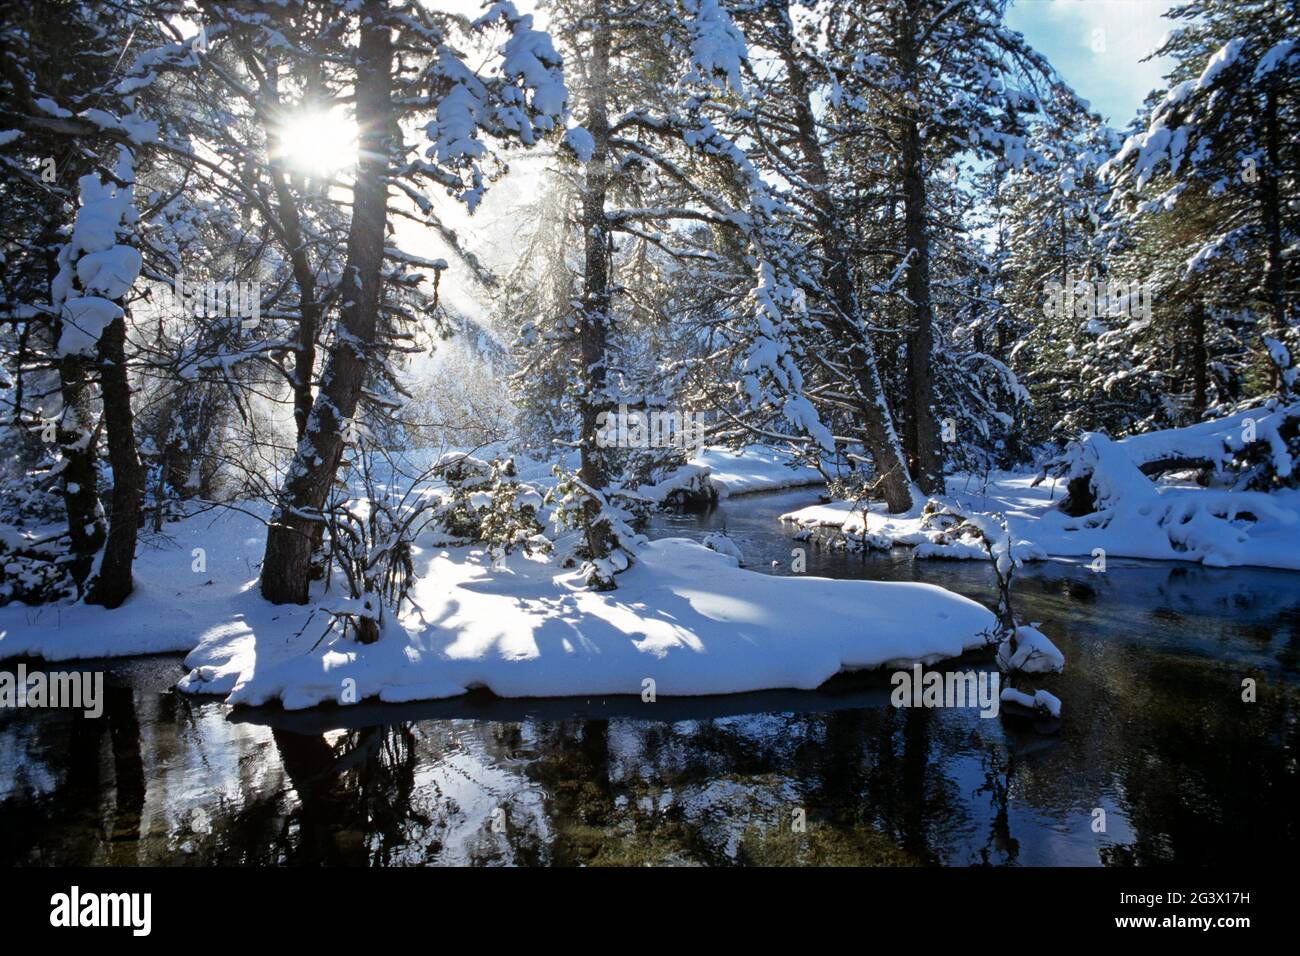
pixel 949 532
pixel 375 562
pixel 31 512
pixel 468 481
pixel 960 531
pixel 723 543
pixel 487 504
pixel 1021 648
pixel 510 519
pixel 581 514
pixel 854 541
pixel 371 544
pixel 850 486
pixel 31 573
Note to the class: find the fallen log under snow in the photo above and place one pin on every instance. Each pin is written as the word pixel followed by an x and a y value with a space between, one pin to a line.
pixel 1253 449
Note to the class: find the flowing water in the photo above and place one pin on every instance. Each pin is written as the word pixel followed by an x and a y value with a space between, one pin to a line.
pixel 1157 758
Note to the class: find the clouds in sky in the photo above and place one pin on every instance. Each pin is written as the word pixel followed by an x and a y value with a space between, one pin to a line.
pixel 1098 45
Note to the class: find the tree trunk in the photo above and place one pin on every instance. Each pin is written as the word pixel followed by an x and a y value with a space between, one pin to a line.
pixel 1199 362
pixel 922 432
pixel 113 583
pixel 1270 199
pixel 76 435
pixel 593 322
pixel 877 429
pixel 309 307
pixel 286 564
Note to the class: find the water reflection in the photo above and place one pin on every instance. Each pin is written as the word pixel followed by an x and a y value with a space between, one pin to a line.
pixel 1156 735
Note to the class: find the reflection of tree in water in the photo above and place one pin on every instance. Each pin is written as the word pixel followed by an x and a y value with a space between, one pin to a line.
pixel 999 769
pixel 128 776
pixel 877 784
pixel 723 791
pixel 1155 723
pixel 355 794
pixel 905 783
pixel 1206 783
pixel 92 816
pixel 573 769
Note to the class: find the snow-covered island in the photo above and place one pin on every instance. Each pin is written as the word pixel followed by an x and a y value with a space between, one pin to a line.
pixel 684 617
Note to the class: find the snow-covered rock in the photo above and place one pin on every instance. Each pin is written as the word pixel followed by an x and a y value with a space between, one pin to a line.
pixel 718 541
pixel 1035 654
pixel 1042 701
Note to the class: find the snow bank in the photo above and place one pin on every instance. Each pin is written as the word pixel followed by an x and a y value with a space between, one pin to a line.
pixel 1137 518
pixel 1215 528
pixel 198 578
pixel 684 617
pixel 869 525
pixel 753 469
pixel 203 570
pixel 1113 505
pixel 1128 516
pixel 149 623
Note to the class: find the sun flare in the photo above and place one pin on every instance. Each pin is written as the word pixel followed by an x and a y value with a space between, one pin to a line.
pixel 319 143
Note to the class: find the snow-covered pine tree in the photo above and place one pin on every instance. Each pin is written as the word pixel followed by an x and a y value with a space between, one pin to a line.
pixel 1054 228
pixel 811 316
pixel 840 121
pixel 948 79
pixel 1219 151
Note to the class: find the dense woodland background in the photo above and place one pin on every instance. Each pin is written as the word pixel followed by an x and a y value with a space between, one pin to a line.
pixel 830 226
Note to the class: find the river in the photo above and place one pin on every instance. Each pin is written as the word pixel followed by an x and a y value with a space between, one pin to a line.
pixel 1157 758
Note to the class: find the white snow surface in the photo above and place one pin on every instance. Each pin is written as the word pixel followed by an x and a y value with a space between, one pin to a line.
pixel 720 542
pixel 1041 700
pixel 752 470
pixel 1218 525
pixel 172 606
pixel 1149 521
pixel 104 269
pixel 1035 653
pixel 683 616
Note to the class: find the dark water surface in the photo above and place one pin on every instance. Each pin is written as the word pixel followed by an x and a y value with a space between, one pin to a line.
pixel 1154 733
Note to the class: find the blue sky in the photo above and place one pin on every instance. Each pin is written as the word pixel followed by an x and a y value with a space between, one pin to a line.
pixel 1104 68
